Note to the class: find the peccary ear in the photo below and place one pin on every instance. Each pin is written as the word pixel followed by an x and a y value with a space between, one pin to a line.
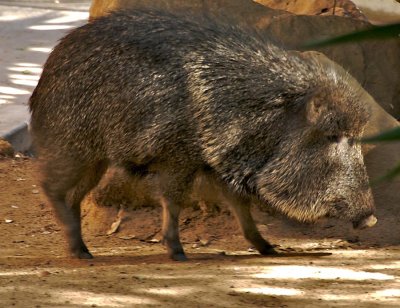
pixel 315 108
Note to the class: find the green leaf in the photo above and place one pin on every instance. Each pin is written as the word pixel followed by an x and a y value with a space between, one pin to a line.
pixel 388 176
pixel 372 33
pixel 391 135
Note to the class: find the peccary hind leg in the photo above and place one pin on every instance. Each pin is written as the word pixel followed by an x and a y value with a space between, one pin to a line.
pixel 174 189
pixel 66 187
pixel 170 230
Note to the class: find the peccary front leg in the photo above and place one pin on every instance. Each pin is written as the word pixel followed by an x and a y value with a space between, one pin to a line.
pixel 241 209
pixel 249 228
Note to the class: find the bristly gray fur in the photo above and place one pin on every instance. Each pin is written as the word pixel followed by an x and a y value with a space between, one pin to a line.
pixel 174 95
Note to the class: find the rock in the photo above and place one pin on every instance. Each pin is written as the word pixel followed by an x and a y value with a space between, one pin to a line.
pixel 127 237
pixel 44 274
pixel 114 226
pixel 345 8
pixel 6 149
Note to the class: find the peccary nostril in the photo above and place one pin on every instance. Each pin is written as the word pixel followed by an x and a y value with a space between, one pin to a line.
pixel 367 222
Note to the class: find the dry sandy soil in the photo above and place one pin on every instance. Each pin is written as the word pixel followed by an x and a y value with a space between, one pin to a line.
pixel 326 265
pixel 316 267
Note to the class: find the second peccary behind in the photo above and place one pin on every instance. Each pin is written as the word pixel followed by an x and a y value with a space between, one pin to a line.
pixel 169 97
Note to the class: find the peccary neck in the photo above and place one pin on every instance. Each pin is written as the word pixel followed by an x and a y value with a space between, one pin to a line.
pixel 240 117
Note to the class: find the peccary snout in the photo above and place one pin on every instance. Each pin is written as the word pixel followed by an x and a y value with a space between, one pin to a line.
pixel 367 222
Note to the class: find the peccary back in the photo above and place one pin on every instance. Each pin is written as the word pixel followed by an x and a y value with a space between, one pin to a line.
pixel 172 96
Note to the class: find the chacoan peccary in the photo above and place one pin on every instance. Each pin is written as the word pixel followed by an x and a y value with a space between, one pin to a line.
pixel 173 97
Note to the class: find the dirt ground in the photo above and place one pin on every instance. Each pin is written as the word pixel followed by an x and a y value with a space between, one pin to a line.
pixel 316 267
pixel 323 265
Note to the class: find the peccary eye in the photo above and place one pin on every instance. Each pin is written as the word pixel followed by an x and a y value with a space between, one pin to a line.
pixel 334 138
pixel 351 141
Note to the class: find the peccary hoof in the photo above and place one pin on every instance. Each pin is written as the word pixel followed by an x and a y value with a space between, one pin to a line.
pixel 178 257
pixel 268 251
pixel 85 255
pixel 82 254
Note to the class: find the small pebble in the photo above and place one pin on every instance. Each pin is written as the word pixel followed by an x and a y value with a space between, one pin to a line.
pixel 204 242
pixel 127 237
pixel 44 274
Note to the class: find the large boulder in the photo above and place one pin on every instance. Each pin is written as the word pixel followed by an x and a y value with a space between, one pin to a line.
pixel 345 8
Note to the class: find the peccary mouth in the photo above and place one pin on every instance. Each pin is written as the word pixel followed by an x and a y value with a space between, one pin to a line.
pixel 367 222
